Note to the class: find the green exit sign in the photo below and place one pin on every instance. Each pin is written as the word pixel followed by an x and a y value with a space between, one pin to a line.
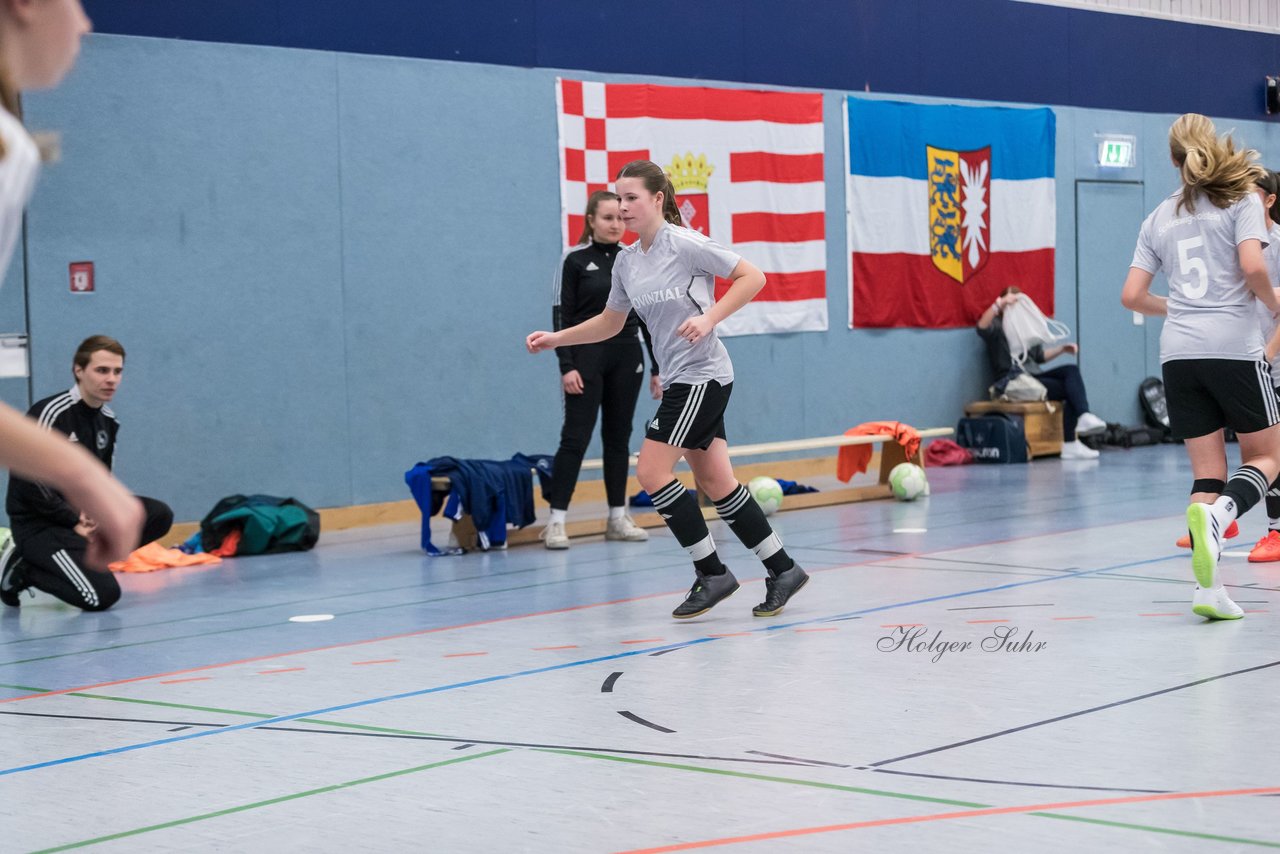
pixel 1116 151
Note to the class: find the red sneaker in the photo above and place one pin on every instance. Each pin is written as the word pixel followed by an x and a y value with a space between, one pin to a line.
pixel 1233 531
pixel 1267 549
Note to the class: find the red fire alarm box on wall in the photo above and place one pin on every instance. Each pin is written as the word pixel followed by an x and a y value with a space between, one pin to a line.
pixel 82 277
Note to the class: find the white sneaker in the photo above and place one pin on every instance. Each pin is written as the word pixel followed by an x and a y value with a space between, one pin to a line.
pixel 625 528
pixel 1088 424
pixel 1077 450
pixel 554 537
pixel 1215 604
pixel 1206 526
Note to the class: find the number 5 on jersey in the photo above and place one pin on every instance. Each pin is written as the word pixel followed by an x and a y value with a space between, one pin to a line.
pixel 1188 265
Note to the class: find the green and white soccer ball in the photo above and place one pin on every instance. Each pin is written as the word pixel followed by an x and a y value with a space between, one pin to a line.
pixel 767 493
pixel 907 481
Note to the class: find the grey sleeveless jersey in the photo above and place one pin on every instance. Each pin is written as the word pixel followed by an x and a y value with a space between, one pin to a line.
pixel 1212 313
pixel 672 282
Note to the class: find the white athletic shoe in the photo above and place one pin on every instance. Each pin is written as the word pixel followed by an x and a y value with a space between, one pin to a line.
pixel 1215 604
pixel 625 528
pixel 1077 450
pixel 1088 424
pixel 1206 525
pixel 554 537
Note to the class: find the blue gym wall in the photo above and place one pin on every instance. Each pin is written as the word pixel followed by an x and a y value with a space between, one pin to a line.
pixel 323 264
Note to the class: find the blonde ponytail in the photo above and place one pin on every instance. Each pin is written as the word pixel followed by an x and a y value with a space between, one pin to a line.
pixel 1210 164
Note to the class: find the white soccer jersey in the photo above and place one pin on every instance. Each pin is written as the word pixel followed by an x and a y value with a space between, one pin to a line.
pixel 672 282
pixel 1211 310
pixel 1266 320
pixel 18 170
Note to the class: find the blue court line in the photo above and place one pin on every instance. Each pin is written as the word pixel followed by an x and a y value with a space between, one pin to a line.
pixel 550 669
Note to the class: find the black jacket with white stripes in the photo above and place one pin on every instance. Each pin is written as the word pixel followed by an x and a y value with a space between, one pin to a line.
pixel 580 291
pixel 29 502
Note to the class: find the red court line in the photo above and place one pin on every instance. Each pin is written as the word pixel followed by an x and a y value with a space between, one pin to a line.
pixel 1259 611
pixel 828 629
pixel 980 622
pixel 916 819
pixel 644 640
pixel 280 670
pixel 377 661
pixel 100 685
pixel 192 679
pixel 463 654
pixel 566 646
pixel 1075 618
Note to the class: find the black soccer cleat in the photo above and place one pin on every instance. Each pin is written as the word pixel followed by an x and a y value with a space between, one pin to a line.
pixel 705 594
pixel 11 581
pixel 779 589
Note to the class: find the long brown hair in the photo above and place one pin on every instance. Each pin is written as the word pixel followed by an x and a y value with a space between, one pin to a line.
pixel 592 203
pixel 1210 164
pixel 1269 183
pixel 655 181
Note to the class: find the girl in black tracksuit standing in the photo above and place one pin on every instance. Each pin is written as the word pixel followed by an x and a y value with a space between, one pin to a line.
pixel 602 378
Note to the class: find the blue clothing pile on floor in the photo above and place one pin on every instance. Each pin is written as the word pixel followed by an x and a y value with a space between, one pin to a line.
pixel 495 493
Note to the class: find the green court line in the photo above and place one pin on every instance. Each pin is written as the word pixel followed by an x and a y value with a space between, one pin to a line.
pixel 922 798
pixel 192 708
pixel 269 802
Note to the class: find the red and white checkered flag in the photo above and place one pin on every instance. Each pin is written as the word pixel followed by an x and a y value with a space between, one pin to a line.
pixel 747 167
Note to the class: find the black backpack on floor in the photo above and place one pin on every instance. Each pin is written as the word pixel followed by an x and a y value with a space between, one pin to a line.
pixel 995 437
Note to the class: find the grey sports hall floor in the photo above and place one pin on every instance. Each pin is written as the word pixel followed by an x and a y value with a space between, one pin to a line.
pixel 546 702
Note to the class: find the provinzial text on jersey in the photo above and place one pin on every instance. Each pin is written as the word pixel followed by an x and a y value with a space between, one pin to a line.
pixel 655 297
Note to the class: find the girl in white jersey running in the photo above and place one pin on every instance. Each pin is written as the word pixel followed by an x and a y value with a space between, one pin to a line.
pixel 39 40
pixel 1267 549
pixel 1208 238
pixel 668 278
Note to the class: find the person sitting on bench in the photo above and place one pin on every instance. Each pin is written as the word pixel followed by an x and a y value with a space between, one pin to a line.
pixel 1063 383
pixel 50 537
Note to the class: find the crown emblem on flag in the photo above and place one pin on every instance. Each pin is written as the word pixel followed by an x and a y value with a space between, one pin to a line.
pixel 690 173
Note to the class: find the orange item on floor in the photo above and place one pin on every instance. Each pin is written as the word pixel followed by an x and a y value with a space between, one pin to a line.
pixel 1267 549
pixel 154 556
pixel 1233 531
pixel 853 459
pixel 230 543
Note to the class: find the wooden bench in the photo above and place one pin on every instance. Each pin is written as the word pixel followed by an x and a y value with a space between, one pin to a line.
pixel 891 454
pixel 1041 422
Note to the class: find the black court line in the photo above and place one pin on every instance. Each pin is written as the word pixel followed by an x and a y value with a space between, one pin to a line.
pixel 406 736
pixel 650 724
pixel 665 651
pixel 992 607
pixel 1019 783
pixel 1070 715
pixel 796 759
pixel 463 746
pixel 179 728
pixel 843 619
pixel 607 687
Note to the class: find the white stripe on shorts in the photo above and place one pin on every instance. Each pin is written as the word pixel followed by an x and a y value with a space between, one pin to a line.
pixel 1268 390
pixel 688 415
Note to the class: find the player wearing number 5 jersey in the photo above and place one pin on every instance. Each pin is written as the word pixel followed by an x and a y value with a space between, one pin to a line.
pixel 1208 239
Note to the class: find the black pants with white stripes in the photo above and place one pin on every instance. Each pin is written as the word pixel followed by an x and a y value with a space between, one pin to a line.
pixel 612 376
pixel 53 558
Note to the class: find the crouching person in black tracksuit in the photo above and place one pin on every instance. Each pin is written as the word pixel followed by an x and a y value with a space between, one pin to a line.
pixel 50 536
